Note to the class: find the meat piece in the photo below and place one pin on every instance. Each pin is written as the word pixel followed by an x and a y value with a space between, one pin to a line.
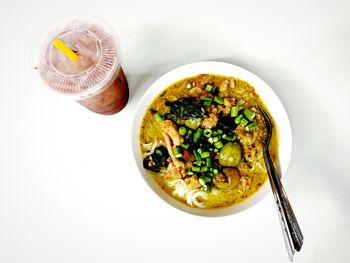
pixel 174 171
pixel 223 87
pixel 202 80
pixel 195 92
pixel 176 166
pixel 232 84
pixel 211 121
pixel 226 108
pixel 229 103
pixel 192 181
pixel 170 129
pixel 226 88
pixel 247 140
pixel 169 147
pixel 187 155
pixel 252 142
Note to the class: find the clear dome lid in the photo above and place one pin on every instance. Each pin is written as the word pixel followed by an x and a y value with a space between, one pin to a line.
pixel 95 44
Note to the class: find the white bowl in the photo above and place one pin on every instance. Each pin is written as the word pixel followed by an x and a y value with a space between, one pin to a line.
pixel 271 100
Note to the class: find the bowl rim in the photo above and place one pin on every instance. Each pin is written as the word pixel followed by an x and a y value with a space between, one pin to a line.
pixel 266 94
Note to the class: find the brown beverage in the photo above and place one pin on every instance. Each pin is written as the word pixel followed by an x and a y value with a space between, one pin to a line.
pixel 112 99
pixel 96 79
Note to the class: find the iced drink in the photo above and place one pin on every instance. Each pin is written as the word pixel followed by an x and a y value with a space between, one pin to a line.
pixel 94 78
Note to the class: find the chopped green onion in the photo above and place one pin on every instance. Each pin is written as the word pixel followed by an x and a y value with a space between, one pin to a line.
pixel 244 122
pixel 197 134
pixel 189 132
pixel 182 130
pixel 177 152
pixel 238 118
pixel 219 131
pixel 215 171
pixel 211 149
pixel 189 85
pixel 158 117
pixel 204 179
pixel 229 137
pixel 205 155
pixel 208 162
pixel 218 100
pixel 189 172
pixel 210 174
pixel 217 138
pixel 204 169
pixel 207 133
pixel 218 144
pixel 216 150
pixel 251 126
pixel 185 145
pixel 197 156
pixel 206 188
pixel 211 140
pixel 200 150
pixel 209 88
pixel 234 111
pixel 207 103
pixel 249 114
pixel 196 168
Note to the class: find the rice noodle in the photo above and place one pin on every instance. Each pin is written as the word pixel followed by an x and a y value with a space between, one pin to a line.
pixel 255 135
pixel 262 168
pixel 242 185
pixel 193 198
pixel 257 165
pixel 187 193
pixel 260 155
pixel 149 147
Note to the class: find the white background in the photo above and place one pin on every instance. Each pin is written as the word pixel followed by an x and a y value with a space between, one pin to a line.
pixel 69 190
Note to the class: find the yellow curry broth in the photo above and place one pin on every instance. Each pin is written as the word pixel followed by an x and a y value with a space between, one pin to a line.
pixel 252 176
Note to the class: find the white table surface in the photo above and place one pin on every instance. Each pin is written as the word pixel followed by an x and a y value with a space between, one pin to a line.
pixel 69 189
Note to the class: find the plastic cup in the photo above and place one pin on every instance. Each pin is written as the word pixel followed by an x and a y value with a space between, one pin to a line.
pixel 96 80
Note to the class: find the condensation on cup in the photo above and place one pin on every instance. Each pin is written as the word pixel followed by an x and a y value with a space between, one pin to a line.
pixel 96 80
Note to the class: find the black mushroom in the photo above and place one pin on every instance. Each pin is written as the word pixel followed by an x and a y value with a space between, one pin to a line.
pixel 226 123
pixel 157 160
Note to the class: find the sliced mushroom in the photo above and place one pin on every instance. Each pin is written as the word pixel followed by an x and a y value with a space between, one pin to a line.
pixel 228 179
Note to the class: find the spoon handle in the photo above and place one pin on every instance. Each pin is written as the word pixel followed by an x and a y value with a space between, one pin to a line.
pixel 290 227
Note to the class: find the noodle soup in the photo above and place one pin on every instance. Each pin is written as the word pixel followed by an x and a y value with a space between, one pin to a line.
pixel 201 141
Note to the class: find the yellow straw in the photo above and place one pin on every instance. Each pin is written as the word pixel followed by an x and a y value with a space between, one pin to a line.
pixel 61 46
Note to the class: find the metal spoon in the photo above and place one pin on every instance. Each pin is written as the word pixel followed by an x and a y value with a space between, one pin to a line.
pixel 291 231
